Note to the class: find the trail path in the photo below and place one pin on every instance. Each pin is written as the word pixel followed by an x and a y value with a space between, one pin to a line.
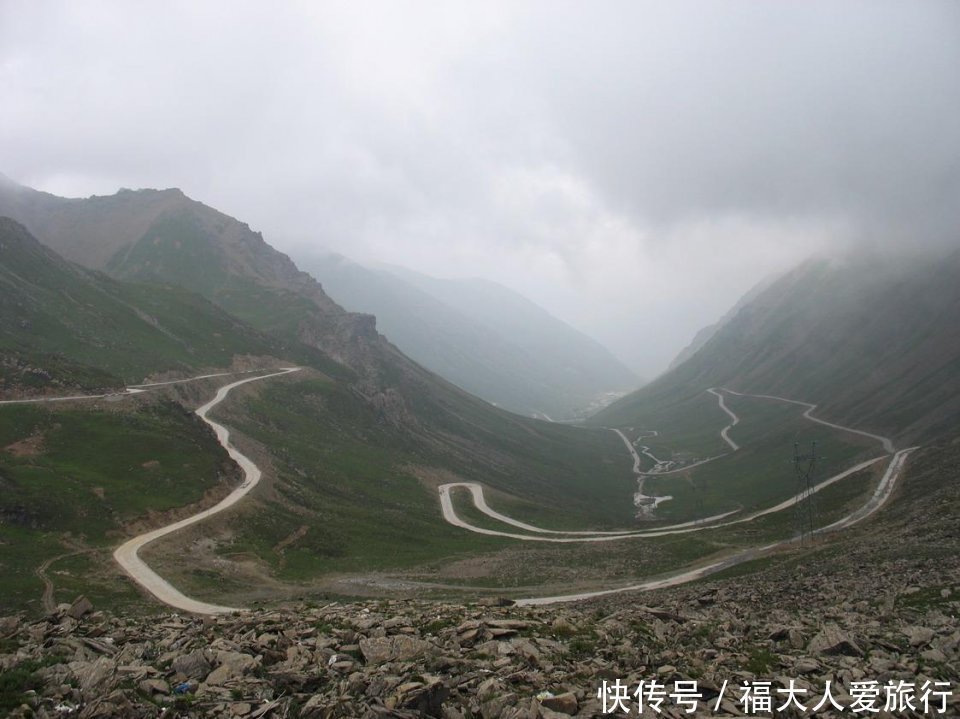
pixel 47 598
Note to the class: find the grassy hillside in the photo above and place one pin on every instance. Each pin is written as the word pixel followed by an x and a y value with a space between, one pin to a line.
pixel 89 330
pixel 352 450
pixel 761 472
pixel 205 251
pixel 872 340
pixel 72 479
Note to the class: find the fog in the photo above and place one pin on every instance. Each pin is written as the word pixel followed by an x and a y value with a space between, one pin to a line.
pixel 632 167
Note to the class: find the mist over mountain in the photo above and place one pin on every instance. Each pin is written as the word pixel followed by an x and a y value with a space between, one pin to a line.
pixel 871 337
pixel 705 334
pixel 481 336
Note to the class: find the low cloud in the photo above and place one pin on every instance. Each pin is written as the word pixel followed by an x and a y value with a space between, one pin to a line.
pixel 632 166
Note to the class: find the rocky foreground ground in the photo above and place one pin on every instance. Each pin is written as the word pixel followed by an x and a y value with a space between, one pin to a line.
pixel 410 659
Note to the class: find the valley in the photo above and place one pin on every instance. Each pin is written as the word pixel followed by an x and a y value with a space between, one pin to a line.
pixel 377 473
pixel 127 554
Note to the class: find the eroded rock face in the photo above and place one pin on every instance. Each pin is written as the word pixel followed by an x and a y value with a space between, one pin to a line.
pixel 432 659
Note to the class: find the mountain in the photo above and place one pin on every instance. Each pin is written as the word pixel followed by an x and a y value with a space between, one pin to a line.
pixel 151 238
pixel 873 340
pixel 481 336
pixel 78 327
pixel 704 334
pixel 356 443
pixel 164 237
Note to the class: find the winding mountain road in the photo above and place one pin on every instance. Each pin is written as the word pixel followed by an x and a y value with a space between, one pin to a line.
pixel 808 414
pixel 736 420
pixel 696 525
pixel 127 555
pixel 128 390
pixel 880 495
pixel 128 558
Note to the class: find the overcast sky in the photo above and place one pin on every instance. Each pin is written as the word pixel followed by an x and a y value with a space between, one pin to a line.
pixel 633 167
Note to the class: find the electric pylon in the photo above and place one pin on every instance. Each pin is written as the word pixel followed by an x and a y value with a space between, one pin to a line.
pixel 805 509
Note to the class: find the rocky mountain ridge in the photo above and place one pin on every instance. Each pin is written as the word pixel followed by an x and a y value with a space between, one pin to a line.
pixel 165 237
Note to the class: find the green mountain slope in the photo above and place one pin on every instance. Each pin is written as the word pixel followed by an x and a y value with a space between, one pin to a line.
pixel 100 332
pixel 353 452
pixel 481 336
pixel 873 341
pixel 162 236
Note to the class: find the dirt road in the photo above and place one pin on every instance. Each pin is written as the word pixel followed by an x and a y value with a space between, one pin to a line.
pixel 126 554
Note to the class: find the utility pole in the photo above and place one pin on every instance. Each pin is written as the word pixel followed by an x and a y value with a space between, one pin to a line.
pixel 805 510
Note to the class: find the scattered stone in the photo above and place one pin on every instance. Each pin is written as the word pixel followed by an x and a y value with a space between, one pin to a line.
pixel 831 640
pixel 80 608
pixel 192 665
pixel 565 703
pixel 408 659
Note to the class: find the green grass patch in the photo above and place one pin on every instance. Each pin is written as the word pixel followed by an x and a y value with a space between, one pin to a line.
pixel 83 474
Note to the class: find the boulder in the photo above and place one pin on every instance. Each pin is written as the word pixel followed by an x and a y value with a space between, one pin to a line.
pixel 565 703
pixel 919 636
pixel 832 640
pixel 231 666
pixel 81 607
pixel 427 700
pixel 193 665
pixel 400 648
